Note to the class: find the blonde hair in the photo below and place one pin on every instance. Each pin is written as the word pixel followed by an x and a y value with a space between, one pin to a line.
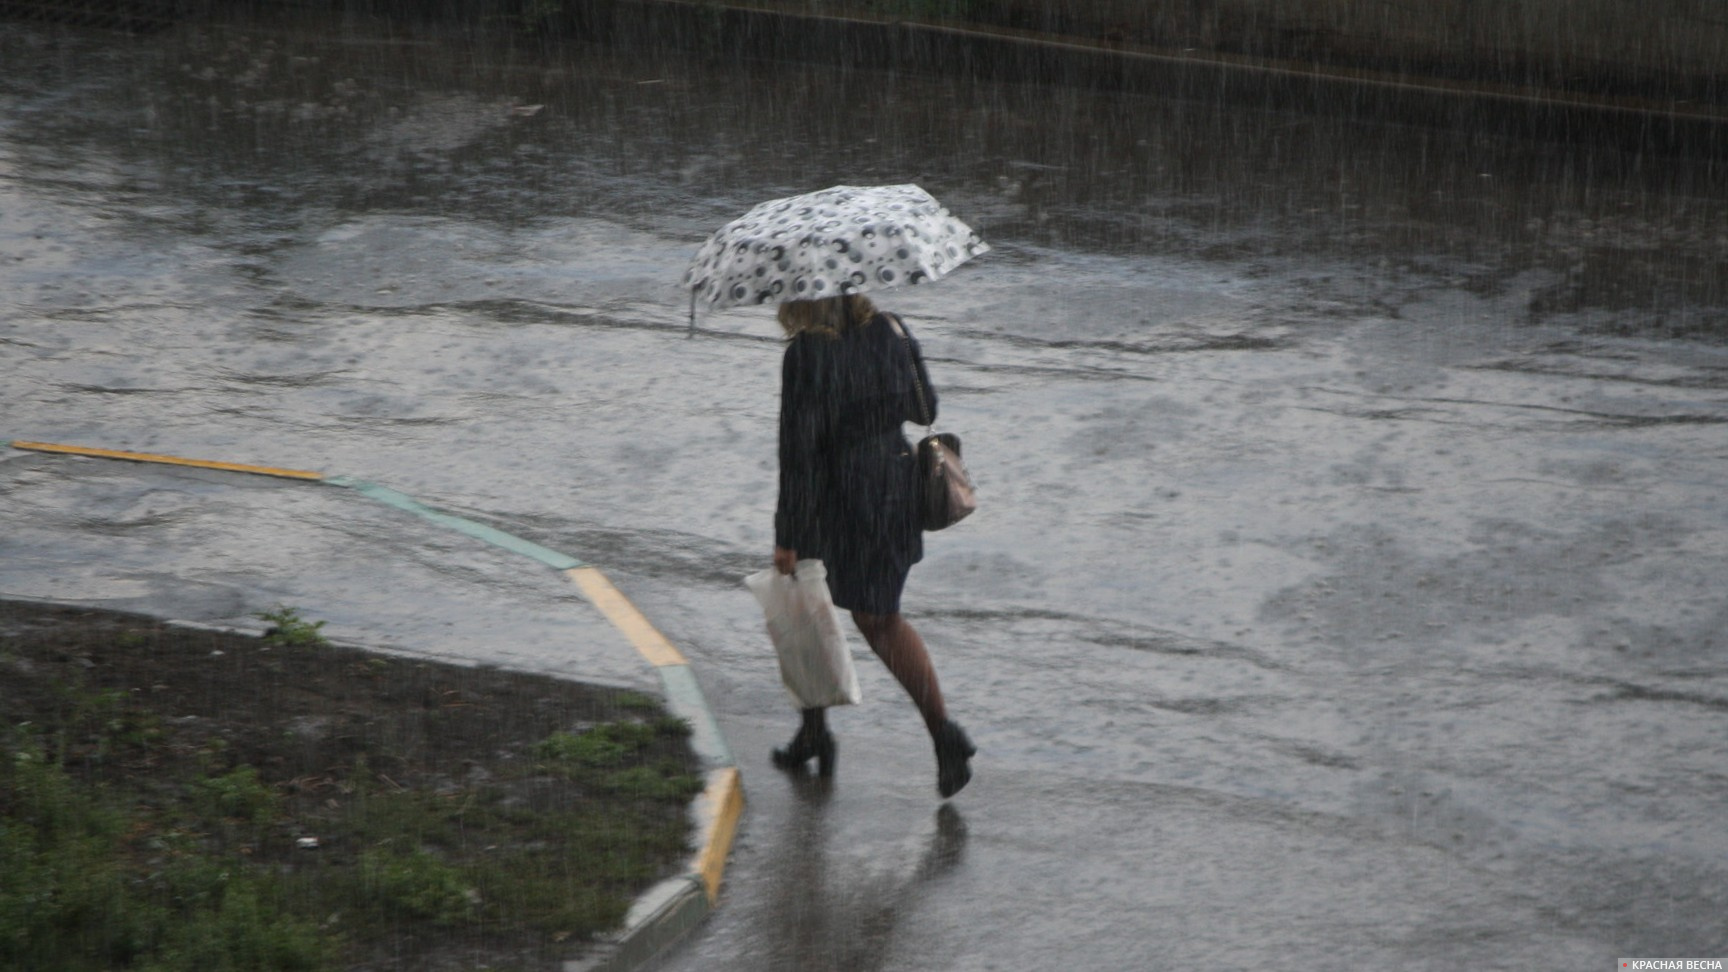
pixel 828 316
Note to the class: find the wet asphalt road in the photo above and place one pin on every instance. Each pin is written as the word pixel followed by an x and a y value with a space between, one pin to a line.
pixel 1346 588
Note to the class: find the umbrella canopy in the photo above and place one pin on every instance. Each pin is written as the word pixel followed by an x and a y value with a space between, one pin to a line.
pixel 843 240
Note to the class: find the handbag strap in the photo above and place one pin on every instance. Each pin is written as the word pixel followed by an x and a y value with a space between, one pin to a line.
pixel 917 383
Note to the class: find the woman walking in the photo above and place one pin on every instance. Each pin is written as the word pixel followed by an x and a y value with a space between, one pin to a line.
pixel 849 496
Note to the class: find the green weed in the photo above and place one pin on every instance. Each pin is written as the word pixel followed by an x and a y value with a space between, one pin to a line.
pixel 289 630
pixel 636 702
pixel 94 723
pixel 653 783
pixel 415 884
pixel 600 755
pixel 602 746
pixel 237 793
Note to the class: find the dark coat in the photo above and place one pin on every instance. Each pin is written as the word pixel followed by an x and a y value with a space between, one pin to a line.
pixel 848 477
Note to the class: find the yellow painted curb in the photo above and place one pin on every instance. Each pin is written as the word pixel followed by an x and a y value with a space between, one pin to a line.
pixel 625 617
pixel 722 803
pixel 72 450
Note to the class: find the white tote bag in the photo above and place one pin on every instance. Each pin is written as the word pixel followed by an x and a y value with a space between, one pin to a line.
pixel 815 662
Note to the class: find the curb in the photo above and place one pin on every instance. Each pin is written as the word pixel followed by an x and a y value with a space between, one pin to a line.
pixel 669 910
pixel 776 34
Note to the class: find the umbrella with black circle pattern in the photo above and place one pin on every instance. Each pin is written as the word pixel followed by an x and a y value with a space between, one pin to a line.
pixel 843 240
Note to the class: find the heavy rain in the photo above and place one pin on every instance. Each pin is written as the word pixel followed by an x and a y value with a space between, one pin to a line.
pixel 1346 584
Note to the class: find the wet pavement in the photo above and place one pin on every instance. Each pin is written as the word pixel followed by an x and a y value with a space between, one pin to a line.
pixel 1346 587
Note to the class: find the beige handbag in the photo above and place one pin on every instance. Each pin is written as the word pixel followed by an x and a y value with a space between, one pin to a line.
pixel 949 496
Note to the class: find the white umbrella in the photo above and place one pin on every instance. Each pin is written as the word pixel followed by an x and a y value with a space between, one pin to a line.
pixel 843 240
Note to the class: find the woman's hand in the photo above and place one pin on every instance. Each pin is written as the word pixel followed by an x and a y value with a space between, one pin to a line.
pixel 785 561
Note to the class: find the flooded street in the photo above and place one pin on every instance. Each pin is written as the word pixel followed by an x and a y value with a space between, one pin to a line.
pixel 1346 587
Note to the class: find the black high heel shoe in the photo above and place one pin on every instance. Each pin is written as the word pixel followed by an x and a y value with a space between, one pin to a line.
pixel 803 747
pixel 953 749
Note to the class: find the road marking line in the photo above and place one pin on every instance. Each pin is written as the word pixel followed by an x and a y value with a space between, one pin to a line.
pixel 73 450
pixel 722 804
pixel 625 617
pixel 479 531
pixel 684 697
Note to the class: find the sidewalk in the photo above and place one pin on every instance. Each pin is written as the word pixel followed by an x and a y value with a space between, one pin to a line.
pixel 1680 107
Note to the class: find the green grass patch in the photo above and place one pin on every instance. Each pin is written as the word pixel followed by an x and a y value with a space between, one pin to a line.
pixel 172 799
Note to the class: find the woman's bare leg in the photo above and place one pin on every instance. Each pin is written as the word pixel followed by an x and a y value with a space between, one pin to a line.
pixel 898 645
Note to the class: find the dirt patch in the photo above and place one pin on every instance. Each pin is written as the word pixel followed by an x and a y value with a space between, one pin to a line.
pixel 318 806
